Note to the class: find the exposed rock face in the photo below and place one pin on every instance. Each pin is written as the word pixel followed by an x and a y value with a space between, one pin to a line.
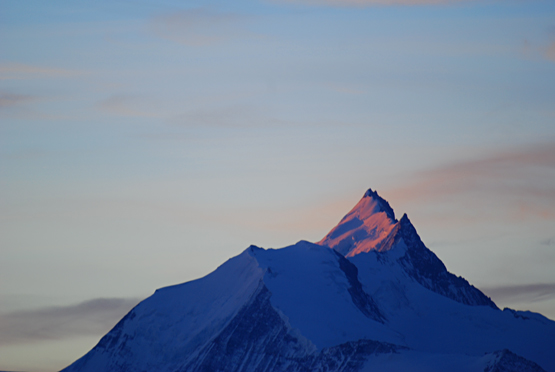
pixel 506 361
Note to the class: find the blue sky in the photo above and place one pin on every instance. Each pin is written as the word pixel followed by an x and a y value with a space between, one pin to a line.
pixel 144 143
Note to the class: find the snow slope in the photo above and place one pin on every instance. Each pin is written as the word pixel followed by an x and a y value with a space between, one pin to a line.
pixel 378 300
pixel 175 321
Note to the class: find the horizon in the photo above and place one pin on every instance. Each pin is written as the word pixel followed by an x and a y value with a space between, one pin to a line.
pixel 145 143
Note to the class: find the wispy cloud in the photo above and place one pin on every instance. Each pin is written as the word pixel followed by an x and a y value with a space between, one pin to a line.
pixel 550 51
pixel 522 293
pixel 127 105
pixel 18 71
pixel 368 3
pixel 232 116
pixel 198 27
pixel 346 89
pixel 522 180
pixel 10 99
pixel 93 317
pixel 540 49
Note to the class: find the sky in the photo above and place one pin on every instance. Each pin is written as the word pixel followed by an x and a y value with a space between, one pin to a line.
pixel 143 143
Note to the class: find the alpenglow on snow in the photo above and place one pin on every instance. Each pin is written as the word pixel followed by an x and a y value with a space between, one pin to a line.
pixel 368 297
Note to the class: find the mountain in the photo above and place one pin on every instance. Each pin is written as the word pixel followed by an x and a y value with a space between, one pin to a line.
pixel 371 227
pixel 368 297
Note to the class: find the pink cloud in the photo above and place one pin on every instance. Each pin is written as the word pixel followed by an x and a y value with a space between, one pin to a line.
pixel 197 27
pixel 519 181
pixel 19 71
pixel 540 50
pixel 127 105
pixel 9 99
pixel 367 3
pixel 550 51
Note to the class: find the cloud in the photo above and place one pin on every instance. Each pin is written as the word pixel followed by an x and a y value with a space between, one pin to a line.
pixel 368 3
pixel 233 116
pixel 540 49
pixel 198 27
pixel 126 105
pixel 8 99
pixel 522 180
pixel 94 317
pixel 522 293
pixel 345 89
pixel 18 71
pixel 550 51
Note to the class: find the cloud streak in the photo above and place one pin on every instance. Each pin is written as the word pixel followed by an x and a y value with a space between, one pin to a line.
pixel 19 71
pixel 198 27
pixel 126 105
pixel 369 3
pixel 9 99
pixel 522 180
pixel 550 51
pixel 522 293
pixel 94 317
pixel 539 50
pixel 232 116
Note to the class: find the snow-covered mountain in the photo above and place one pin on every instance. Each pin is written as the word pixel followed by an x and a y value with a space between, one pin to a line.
pixel 368 297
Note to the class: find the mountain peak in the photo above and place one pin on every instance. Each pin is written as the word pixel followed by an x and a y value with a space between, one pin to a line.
pixel 371 226
pixel 383 204
pixel 363 228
